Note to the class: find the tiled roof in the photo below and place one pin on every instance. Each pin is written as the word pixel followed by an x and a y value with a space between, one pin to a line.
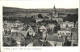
pixel 54 38
pixel 65 29
pixel 42 27
pixel 7 40
pixel 74 30
pixel 16 36
pixel 24 33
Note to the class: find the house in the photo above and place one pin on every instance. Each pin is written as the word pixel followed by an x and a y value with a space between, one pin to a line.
pixel 38 20
pixel 4 26
pixel 9 24
pixel 62 14
pixel 51 26
pixel 18 37
pixel 76 25
pixel 12 24
pixel 24 33
pixel 54 41
pixel 5 22
pixel 14 30
pixel 43 29
pixel 9 41
pixel 6 40
pixel 75 35
pixel 64 32
pixel 67 24
pixel 57 19
pixel 6 32
pixel 18 23
pixel 20 28
pixel 31 31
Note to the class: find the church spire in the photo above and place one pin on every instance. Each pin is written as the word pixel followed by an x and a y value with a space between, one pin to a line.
pixel 55 14
pixel 54 9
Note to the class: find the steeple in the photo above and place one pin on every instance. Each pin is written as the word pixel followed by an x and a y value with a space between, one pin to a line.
pixel 54 10
pixel 54 7
pixel 55 14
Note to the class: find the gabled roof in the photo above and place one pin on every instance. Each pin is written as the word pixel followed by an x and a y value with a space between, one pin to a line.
pixel 42 27
pixel 65 29
pixel 74 30
pixel 54 38
pixel 7 40
pixel 30 28
pixel 17 36
pixel 24 33
pixel 67 22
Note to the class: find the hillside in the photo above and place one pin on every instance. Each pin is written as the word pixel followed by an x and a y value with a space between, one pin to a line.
pixel 10 11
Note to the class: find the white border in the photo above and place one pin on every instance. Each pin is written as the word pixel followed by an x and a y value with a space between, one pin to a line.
pixel 37 49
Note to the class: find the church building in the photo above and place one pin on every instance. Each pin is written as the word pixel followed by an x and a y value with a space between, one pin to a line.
pixel 55 15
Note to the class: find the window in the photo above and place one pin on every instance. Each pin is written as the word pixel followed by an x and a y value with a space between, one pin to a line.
pixel 67 25
pixel 68 34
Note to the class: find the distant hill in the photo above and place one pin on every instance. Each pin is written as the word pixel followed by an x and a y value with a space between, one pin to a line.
pixel 12 11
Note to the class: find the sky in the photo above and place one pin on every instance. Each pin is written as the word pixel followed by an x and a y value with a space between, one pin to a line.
pixel 33 4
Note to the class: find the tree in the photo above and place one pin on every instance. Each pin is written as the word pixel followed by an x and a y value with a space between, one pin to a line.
pixel 40 16
pixel 71 18
pixel 56 28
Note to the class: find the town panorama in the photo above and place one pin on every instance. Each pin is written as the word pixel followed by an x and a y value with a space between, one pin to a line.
pixel 40 27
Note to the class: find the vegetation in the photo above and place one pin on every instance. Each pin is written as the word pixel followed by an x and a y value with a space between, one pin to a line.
pixel 56 28
pixel 40 16
pixel 48 21
pixel 71 18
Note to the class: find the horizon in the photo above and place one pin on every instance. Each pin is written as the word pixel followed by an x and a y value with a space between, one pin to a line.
pixel 43 4
pixel 37 8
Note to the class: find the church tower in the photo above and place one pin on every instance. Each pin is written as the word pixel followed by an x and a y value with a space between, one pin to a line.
pixel 55 13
